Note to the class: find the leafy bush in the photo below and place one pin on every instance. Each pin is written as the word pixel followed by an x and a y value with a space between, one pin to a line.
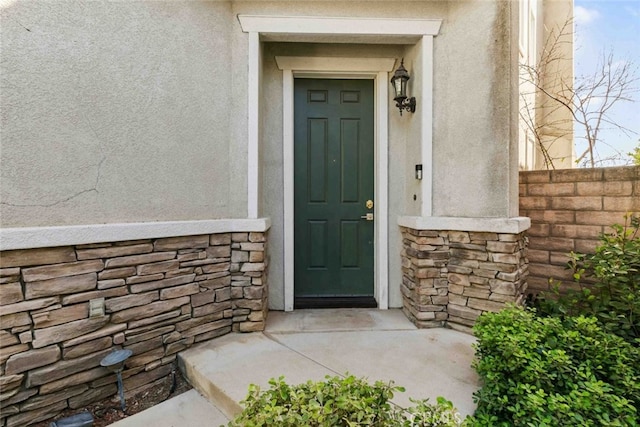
pixel 614 296
pixel 542 371
pixel 339 401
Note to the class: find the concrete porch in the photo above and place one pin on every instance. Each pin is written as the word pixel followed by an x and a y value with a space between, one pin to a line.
pixel 310 344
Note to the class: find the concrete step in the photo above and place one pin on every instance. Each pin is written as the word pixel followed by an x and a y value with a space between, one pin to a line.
pixel 222 369
pixel 186 409
pixel 310 344
pixel 338 320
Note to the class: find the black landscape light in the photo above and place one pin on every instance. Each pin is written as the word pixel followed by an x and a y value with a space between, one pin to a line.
pixel 114 362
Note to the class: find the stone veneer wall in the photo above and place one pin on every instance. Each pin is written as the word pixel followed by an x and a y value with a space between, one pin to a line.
pixel 451 277
pixel 160 297
pixel 569 209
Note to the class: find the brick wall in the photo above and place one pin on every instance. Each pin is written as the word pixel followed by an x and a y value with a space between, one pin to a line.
pixel 159 296
pixel 569 209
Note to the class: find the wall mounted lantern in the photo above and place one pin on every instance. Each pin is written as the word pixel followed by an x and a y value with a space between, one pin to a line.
pixel 399 83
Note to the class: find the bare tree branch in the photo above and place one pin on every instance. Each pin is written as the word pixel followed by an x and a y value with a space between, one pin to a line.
pixel 587 100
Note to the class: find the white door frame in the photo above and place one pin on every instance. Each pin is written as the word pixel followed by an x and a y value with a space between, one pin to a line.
pixel 341 29
pixel 376 69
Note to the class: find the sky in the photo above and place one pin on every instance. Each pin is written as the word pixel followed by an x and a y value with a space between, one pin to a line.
pixel 609 26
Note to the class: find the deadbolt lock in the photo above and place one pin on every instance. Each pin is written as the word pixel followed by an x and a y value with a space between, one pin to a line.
pixel 369 204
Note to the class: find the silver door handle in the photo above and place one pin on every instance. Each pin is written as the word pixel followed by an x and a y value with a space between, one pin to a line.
pixel 368 217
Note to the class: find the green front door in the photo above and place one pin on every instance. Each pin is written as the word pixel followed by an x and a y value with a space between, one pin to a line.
pixel 333 180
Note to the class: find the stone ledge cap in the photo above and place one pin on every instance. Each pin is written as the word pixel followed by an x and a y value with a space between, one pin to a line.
pixel 514 225
pixel 42 237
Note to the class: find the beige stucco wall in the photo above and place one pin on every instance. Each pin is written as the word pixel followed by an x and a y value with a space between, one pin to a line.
pixel 119 112
pixel 475 116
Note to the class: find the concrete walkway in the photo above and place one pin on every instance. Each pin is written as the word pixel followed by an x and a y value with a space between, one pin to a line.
pixel 185 410
pixel 310 344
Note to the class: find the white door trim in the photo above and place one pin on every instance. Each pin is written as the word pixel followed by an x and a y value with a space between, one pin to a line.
pixel 253 133
pixel 335 30
pixel 340 29
pixel 426 131
pixel 333 64
pixel 377 69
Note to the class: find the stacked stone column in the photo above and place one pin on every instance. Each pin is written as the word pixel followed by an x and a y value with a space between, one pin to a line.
pixel 248 279
pixel 425 256
pixel 452 277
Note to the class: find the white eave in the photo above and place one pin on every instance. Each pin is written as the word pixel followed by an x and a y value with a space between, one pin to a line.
pixel 339 29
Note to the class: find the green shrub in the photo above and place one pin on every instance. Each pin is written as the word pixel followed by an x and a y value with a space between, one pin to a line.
pixel 609 282
pixel 542 371
pixel 339 401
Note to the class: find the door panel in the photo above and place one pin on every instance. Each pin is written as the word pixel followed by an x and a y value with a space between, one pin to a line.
pixel 349 248
pixel 349 143
pixel 317 244
pixel 333 179
pixel 317 164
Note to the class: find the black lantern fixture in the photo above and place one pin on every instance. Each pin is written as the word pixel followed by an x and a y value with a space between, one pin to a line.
pixel 399 83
